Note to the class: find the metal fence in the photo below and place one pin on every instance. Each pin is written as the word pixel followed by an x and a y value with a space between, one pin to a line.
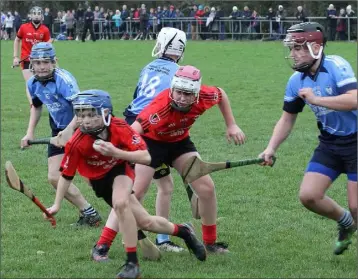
pixel 224 28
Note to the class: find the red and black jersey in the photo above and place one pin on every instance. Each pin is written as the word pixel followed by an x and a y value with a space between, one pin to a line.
pixel 163 123
pixel 31 35
pixel 80 155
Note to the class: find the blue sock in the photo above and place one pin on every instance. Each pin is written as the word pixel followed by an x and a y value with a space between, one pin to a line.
pixel 346 219
pixel 162 238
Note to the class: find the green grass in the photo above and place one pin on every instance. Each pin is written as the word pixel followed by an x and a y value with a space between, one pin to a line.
pixel 270 234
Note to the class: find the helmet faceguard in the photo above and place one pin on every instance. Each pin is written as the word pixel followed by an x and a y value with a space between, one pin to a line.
pixel 36 15
pixel 93 109
pixel 304 36
pixel 43 61
pixel 185 88
pixel 170 41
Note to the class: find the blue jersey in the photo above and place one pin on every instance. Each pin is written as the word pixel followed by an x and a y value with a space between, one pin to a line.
pixel 334 77
pixel 57 95
pixel 153 79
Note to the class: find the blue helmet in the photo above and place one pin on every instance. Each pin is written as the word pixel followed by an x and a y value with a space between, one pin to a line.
pixel 93 98
pixel 96 100
pixel 43 51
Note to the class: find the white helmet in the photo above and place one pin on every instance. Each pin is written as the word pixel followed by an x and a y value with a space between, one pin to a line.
pixel 170 41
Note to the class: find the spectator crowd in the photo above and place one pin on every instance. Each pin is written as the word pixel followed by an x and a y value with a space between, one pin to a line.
pixel 200 22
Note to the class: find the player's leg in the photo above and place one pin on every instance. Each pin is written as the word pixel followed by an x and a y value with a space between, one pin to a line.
pixel 349 156
pixel 322 170
pixel 88 215
pixel 165 187
pixel 347 228
pixel 205 190
pixel 109 232
pixel 27 74
pixel 159 224
pixel 122 188
pixel 348 222
pixel 352 192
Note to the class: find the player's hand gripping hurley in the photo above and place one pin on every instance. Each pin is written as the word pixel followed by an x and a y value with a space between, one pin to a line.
pixel 15 183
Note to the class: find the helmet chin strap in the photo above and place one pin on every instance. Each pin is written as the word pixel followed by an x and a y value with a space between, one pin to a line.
pixel 309 46
pixel 93 132
pixel 181 109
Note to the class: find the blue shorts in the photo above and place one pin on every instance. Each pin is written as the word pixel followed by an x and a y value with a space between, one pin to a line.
pixel 332 160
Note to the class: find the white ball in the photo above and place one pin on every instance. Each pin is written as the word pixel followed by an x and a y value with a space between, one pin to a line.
pixel 96 143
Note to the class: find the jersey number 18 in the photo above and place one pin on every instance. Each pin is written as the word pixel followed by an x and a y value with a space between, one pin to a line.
pixel 148 86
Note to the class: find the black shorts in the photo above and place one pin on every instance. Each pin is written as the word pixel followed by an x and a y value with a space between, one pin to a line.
pixel 25 65
pixel 332 160
pixel 167 152
pixel 53 150
pixel 103 187
pixel 162 170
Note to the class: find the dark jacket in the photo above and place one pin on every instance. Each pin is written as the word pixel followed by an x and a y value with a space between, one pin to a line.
pixel 48 19
pixel 332 22
pixel 124 15
pixel 89 17
pixel 17 21
pixel 301 16
pixel 79 15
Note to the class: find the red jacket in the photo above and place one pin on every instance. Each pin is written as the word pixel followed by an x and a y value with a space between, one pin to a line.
pixel 199 14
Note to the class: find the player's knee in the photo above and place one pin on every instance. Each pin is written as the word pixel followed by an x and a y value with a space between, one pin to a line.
pixel 53 179
pixel 120 205
pixel 307 198
pixel 206 191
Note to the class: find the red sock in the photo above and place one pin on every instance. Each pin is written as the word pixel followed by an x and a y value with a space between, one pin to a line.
pixel 176 229
pixel 209 234
pixel 131 249
pixel 107 236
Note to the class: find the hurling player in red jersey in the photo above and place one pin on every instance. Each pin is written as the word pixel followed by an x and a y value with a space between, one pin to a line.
pixel 165 124
pixel 29 34
pixel 102 150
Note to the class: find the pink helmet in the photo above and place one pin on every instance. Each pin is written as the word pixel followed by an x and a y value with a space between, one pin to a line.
pixel 187 79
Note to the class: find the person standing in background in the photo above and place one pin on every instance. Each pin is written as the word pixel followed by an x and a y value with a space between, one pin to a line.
pixel 48 20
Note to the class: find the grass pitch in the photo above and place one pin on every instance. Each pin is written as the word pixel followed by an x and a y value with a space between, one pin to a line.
pixel 270 234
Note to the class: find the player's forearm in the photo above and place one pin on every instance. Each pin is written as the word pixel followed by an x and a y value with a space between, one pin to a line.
pixel 138 157
pixel 226 110
pixel 16 47
pixel 35 114
pixel 62 188
pixel 344 102
pixel 281 131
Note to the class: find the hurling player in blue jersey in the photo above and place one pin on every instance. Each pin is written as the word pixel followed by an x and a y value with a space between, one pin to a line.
pixel 55 88
pixel 154 77
pixel 327 84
